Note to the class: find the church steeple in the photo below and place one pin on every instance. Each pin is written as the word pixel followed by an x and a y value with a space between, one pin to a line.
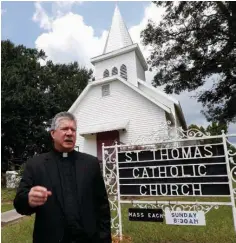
pixel 120 57
pixel 118 36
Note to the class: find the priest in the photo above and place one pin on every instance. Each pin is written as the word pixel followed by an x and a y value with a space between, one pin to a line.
pixel 65 190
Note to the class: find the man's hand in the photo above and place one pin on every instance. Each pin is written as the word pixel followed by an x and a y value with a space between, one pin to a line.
pixel 38 195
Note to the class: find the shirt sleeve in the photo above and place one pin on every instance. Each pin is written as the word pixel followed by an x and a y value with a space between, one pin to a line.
pixel 20 202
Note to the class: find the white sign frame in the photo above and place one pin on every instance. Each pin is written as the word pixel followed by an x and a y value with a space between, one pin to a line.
pixel 112 179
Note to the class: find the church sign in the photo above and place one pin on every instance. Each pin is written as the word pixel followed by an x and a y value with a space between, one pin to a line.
pixel 186 171
pixel 192 165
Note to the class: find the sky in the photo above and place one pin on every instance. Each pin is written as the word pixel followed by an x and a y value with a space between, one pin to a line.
pixel 77 30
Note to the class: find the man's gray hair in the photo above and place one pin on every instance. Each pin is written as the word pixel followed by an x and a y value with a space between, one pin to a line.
pixel 62 115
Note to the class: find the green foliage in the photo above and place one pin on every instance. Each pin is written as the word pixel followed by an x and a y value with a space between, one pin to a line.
pixel 6 207
pixel 193 42
pixel 213 129
pixel 217 128
pixel 196 128
pixel 7 195
pixel 21 170
pixel 31 95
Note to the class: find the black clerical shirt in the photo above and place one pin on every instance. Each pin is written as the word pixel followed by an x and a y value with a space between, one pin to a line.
pixel 66 168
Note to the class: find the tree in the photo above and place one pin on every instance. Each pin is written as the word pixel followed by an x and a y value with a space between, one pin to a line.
pixel 216 129
pixel 193 42
pixel 213 129
pixel 197 128
pixel 31 95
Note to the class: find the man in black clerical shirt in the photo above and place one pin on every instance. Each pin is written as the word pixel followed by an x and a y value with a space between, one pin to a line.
pixel 66 191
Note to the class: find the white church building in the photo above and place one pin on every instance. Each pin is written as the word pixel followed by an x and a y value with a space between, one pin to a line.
pixel 119 105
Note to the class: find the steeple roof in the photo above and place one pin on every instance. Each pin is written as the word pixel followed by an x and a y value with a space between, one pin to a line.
pixel 118 36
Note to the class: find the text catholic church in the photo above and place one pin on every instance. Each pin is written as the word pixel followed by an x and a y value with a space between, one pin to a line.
pixel 119 105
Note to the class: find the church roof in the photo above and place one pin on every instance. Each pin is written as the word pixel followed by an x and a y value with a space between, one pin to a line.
pixel 156 99
pixel 163 97
pixel 118 36
pixel 120 52
pixel 105 127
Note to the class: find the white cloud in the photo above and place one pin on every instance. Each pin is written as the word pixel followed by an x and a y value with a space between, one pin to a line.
pixel 189 105
pixel 41 16
pixel 67 5
pixel 62 7
pixel 68 38
pixel 191 108
pixel 153 13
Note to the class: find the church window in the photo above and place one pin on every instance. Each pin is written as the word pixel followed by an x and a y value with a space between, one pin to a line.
pixel 105 90
pixel 106 74
pixel 114 71
pixel 123 71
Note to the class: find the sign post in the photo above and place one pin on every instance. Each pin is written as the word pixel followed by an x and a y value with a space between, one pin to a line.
pixel 187 166
pixel 230 172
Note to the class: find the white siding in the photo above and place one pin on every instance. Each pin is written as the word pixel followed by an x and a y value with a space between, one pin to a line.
pixel 140 70
pixel 163 100
pixel 123 103
pixel 154 95
pixel 80 141
pixel 127 58
pixel 88 144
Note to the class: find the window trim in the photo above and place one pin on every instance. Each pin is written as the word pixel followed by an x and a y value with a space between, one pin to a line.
pixel 123 72
pixel 106 73
pixel 106 90
pixel 114 69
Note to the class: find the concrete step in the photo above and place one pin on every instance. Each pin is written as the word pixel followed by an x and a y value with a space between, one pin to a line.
pixel 10 217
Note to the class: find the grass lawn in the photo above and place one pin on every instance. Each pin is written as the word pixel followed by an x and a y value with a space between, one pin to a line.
pixel 7 196
pixel 218 229
pixel 6 207
pixel 20 232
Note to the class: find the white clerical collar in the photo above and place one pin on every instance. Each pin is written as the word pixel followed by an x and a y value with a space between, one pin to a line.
pixel 64 155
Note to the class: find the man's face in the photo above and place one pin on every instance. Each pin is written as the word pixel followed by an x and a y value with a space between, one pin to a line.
pixel 65 135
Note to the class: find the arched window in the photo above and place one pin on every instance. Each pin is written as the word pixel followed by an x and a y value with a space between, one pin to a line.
pixel 106 74
pixel 123 71
pixel 114 71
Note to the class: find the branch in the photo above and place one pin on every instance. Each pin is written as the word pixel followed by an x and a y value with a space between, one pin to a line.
pixel 223 9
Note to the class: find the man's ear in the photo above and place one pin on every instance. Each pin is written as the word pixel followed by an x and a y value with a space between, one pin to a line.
pixel 52 134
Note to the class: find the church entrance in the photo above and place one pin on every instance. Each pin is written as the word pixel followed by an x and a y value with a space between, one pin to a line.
pixel 108 138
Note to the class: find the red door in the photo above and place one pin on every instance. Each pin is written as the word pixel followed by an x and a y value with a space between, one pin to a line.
pixel 108 138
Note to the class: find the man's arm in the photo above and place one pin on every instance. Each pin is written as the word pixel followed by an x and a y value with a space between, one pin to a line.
pixel 103 208
pixel 21 202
